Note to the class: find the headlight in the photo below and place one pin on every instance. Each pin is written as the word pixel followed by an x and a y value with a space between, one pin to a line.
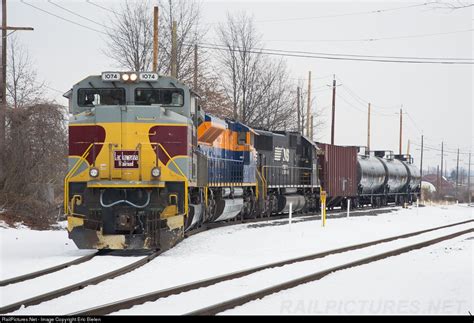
pixel 155 172
pixel 125 77
pixel 133 77
pixel 94 172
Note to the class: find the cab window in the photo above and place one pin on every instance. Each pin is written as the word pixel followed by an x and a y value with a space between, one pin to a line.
pixel 93 97
pixel 168 97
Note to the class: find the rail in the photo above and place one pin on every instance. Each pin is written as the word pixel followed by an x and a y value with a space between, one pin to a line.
pixel 156 295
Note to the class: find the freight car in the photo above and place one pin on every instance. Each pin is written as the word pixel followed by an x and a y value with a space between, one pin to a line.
pixel 373 178
pixel 146 164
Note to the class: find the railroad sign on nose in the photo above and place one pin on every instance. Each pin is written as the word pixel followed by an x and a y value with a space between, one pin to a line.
pixel 126 158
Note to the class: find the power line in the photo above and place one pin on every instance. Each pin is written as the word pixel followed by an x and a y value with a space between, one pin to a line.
pixel 377 11
pixel 370 39
pixel 78 15
pixel 237 48
pixel 287 53
pixel 62 18
pixel 344 57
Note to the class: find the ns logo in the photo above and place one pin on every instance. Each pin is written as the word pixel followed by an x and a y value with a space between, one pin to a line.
pixel 282 154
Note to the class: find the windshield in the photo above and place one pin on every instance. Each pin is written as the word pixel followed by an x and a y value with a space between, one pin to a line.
pixel 168 97
pixel 92 97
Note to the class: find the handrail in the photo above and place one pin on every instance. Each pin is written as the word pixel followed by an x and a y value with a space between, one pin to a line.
pixel 69 174
pixel 264 182
pixel 182 174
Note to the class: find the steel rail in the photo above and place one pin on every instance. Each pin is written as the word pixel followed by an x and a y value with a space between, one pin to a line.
pixel 153 296
pixel 241 300
pixel 279 219
pixel 71 288
pixel 46 271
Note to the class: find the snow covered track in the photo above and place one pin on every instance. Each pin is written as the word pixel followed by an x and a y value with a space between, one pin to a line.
pixel 154 296
pixel 241 300
pixel 46 271
pixel 76 286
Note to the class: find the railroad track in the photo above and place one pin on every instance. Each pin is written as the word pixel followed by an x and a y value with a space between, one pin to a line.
pixel 240 300
pixel 46 271
pixel 278 220
pixel 76 286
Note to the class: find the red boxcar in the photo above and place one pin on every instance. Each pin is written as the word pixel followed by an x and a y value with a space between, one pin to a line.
pixel 338 170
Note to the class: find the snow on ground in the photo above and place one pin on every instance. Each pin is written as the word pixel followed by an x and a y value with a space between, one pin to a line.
pixel 434 280
pixel 228 249
pixel 191 301
pixel 24 251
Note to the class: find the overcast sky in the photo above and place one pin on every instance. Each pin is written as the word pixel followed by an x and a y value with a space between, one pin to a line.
pixel 438 98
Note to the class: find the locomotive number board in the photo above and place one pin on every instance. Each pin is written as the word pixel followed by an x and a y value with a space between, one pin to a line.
pixel 126 158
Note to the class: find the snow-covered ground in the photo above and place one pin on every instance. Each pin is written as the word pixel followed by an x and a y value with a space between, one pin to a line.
pixel 228 249
pixel 24 251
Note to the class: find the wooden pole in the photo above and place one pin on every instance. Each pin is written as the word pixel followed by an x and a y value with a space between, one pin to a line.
pixel 308 108
pixel 298 108
pixel 312 129
pixel 401 132
pixel 174 52
pixel 469 180
pixel 3 84
pixel 195 67
pixel 333 122
pixel 368 129
pixel 155 39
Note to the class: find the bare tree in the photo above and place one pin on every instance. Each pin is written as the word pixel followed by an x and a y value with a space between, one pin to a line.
pixel 23 86
pixel 35 153
pixel 187 14
pixel 256 85
pixel 452 5
pixel 130 36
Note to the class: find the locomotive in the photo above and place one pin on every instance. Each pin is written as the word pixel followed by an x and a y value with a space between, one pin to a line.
pixel 146 164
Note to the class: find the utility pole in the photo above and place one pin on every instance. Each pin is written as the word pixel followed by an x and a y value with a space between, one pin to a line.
pixel 155 39
pixel 308 108
pixel 333 108
pixel 368 129
pixel 312 129
pixel 401 131
pixel 442 158
pixel 457 174
pixel 298 108
pixel 421 166
pixel 438 180
pixel 3 79
pixel 174 52
pixel 195 67
pixel 421 158
pixel 469 180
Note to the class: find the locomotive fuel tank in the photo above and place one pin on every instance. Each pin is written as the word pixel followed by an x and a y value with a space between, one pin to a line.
pixel 284 201
pixel 397 175
pixel 371 174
